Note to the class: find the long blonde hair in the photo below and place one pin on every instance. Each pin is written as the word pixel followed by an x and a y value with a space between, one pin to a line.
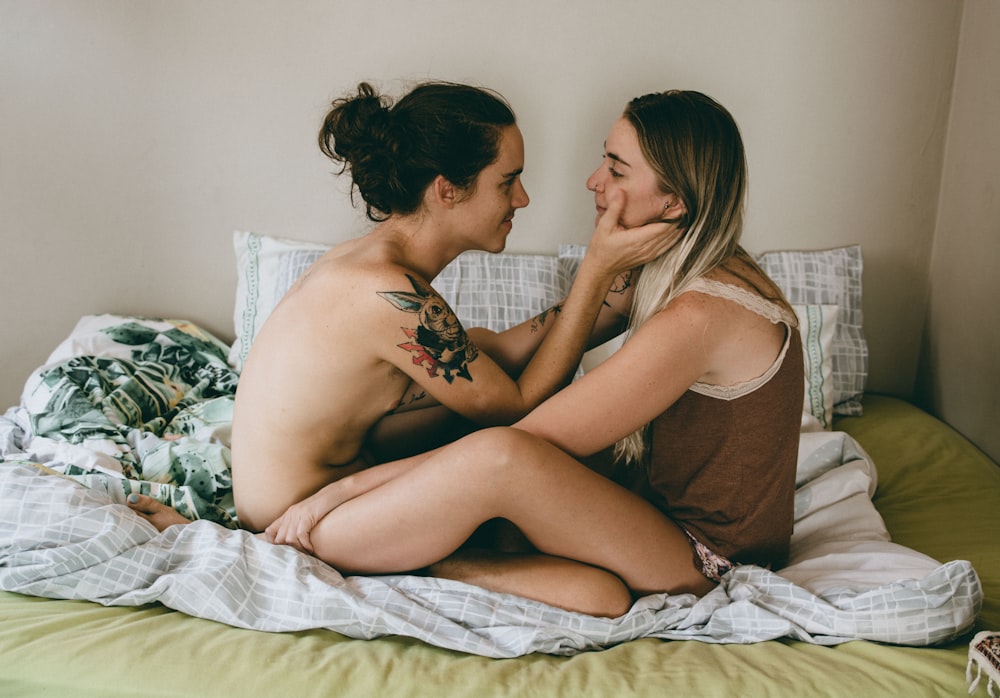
pixel 694 146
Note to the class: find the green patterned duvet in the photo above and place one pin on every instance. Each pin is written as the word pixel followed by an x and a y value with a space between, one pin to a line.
pixel 148 409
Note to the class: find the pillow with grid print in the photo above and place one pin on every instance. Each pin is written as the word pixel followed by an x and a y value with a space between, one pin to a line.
pixel 498 291
pixel 830 277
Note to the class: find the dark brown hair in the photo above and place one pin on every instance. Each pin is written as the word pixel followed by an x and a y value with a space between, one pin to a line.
pixel 394 151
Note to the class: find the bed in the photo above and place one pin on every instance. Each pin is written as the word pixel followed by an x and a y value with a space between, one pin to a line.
pixel 894 565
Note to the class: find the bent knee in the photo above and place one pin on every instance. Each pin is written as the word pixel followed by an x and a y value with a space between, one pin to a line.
pixel 503 447
pixel 602 594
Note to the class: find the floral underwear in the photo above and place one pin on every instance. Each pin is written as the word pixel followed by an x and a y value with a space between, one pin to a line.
pixel 710 564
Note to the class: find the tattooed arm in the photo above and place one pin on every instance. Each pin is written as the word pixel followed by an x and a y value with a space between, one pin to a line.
pixel 513 348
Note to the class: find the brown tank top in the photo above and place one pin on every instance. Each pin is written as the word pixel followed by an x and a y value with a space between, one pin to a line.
pixel 722 459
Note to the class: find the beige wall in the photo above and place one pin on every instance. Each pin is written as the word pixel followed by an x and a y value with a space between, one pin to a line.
pixel 960 366
pixel 135 136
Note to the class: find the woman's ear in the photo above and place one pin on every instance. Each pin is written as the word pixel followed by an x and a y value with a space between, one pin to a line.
pixel 674 209
pixel 673 205
pixel 443 192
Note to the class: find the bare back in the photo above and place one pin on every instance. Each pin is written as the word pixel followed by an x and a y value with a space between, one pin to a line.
pixel 314 383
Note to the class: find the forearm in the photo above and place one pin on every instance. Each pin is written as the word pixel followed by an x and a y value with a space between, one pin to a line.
pixel 408 433
pixel 565 341
pixel 507 348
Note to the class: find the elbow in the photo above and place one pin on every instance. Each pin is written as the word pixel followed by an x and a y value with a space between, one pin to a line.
pixel 499 417
pixel 493 410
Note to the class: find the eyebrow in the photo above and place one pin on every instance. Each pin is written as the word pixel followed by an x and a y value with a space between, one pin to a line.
pixel 513 173
pixel 614 156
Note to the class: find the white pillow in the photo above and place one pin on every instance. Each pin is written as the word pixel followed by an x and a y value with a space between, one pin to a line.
pixel 266 268
pixel 818 328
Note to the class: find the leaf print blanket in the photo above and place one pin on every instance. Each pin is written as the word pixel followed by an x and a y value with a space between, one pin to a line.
pixel 131 404
pixel 147 410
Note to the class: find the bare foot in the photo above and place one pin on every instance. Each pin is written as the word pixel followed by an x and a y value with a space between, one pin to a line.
pixel 156 513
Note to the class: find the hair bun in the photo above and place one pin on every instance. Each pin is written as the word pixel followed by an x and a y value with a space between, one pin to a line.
pixel 354 124
pixel 394 150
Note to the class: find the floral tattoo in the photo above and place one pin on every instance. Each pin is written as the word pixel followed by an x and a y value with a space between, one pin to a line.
pixel 540 319
pixel 621 283
pixel 438 343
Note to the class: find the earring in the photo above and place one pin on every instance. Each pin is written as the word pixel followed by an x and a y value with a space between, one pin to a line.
pixel 668 205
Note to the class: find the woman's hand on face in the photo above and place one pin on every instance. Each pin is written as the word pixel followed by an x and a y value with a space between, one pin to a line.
pixel 619 249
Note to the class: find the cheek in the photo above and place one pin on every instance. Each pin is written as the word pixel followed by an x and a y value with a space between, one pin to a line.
pixel 639 211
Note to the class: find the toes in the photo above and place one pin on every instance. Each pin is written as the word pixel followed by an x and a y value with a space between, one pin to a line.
pixel 155 512
pixel 143 504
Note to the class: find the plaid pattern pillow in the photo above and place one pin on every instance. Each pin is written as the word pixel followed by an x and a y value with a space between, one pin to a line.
pixel 830 277
pixel 498 291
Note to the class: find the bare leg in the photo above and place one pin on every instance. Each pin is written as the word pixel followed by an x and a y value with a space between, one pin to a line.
pixel 562 507
pixel 554 580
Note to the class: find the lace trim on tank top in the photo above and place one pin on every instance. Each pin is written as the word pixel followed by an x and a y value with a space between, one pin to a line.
pixel 755 304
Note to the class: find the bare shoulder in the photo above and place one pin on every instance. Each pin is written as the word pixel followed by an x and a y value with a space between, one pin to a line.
pixel 689 308
pixel 744 273
pixel 351 283
pixel 374 265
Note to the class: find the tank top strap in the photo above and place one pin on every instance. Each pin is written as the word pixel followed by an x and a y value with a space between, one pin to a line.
pixel 748 299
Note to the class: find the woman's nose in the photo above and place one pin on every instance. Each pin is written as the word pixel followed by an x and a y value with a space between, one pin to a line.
pixel 521 199
pixel 594 180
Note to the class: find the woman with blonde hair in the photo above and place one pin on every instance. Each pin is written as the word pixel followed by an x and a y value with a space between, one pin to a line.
pixel 701 405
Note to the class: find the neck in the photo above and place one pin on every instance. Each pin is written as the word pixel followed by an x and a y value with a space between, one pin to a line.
pixel 417 243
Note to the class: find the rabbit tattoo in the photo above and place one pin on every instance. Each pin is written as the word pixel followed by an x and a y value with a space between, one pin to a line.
pixel 439 342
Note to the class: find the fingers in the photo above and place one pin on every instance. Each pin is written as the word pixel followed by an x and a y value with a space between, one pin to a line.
pixel 290 531
pixel 616 205
pixel 659 235
pixel 299 539
pixel 620 249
